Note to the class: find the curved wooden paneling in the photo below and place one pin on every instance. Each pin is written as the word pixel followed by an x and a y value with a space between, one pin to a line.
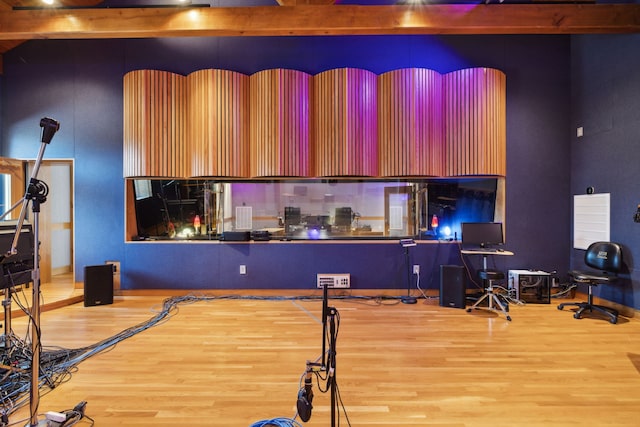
pixel 280 123
pixel 345 123
pixel 219 123
pixel 222 123
pixel 154 124
pixel 410 123
pixel 475 122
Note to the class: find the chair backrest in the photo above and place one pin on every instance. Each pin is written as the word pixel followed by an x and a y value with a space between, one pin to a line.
pixel 605 256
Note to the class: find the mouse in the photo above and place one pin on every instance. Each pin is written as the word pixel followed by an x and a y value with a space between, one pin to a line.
pixel 500 250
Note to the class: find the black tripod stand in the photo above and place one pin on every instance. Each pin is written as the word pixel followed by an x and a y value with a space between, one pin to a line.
pixel 329 316
pixel 330 322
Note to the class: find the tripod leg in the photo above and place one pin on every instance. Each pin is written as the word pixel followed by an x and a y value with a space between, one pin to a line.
pixel 6 304
pixel 477 303
pixel 502 309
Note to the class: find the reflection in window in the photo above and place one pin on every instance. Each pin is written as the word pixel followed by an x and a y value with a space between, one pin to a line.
pixel 311 209
pixel 455 201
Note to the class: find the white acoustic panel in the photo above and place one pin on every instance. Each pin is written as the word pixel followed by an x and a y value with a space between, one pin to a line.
pixel 395 218
pixel 591 219
pixel 244 217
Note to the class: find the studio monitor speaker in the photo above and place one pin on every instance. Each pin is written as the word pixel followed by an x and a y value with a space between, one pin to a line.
pixel 453 286
pixel 98 285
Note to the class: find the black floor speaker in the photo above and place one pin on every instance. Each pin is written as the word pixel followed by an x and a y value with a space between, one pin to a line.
pixel 453 286
pixel 98 285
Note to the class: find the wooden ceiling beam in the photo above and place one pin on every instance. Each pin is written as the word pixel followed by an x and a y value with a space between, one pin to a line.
pixel 306 20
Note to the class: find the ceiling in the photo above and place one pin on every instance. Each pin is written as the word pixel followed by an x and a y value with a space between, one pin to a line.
pixel 22 20
pixel 9 5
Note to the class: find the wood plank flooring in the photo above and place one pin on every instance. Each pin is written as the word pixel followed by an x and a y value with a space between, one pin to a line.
pixel 233 362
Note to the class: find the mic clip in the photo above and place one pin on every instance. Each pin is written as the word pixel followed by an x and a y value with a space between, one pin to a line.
pixel 305 397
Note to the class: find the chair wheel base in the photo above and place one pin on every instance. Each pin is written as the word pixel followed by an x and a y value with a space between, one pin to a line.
pixel 583 307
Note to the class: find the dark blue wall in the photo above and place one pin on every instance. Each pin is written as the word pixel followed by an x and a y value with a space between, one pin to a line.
pixel 606 103
pixel 80 84
pixel 286 265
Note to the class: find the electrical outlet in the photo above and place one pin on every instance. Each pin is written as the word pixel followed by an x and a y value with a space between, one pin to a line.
pixel 116 267
pixel 243 269
pixel 416 269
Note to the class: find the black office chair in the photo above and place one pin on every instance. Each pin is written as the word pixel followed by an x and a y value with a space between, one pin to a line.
pixel 606 258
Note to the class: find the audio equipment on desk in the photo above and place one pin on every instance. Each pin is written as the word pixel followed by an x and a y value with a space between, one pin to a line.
pixel 260 236
pixel 15 268
pixel 236 236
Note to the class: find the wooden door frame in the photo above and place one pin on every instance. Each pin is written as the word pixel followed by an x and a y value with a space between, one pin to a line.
pixel 46 271
pixel 15 169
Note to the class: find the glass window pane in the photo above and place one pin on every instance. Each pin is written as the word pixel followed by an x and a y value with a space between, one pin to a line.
pixel 427 208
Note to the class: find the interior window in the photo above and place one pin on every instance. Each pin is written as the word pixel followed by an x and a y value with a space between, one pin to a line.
pixel 311 209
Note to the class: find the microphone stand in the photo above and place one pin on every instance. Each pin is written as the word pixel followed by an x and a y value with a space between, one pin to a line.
pixel 36 193
pixel 329 315
pixel 329 363
pixel 331 369
pixel 406 244
pixel 325 313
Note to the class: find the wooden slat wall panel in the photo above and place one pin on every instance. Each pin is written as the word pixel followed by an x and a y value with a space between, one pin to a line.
pixel 345 123
pixel 177 126
pixel 134 153
pixel 219 123
pixel 280 123
pixel 475 122
pixel 410 123
pixel 154 124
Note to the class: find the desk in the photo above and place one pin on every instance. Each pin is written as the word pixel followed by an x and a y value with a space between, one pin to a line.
pixel 484 253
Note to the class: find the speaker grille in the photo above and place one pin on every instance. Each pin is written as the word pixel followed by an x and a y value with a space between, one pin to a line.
pixel 452 286
pixel 98 285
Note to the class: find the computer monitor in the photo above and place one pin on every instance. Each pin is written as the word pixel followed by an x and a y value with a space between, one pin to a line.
pixel 482 234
